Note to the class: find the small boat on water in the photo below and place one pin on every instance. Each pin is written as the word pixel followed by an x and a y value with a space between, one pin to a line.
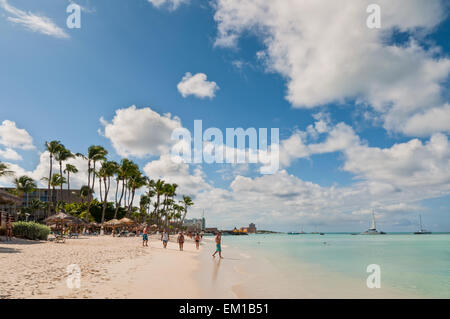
pixel 421 231
pixel 373 229
pixel 295 233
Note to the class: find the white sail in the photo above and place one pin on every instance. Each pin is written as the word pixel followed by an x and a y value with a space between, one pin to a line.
pixel 372 225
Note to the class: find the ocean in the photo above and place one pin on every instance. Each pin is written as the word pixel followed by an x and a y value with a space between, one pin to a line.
pixel 410 265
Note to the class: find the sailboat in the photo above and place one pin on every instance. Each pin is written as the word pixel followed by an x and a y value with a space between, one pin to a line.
pixel 422 231
pixel 295 233
pixel 373 229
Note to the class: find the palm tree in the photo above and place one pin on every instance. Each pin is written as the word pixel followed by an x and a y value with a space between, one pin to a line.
pixel 158 188
pixel 137 181
pixel 123 172
pixel 85 191
pixel 36 205
pixel 169 192
pixel 95 153
pixel 25 184
pixel 4 170
pixel 52 147
pixel 187 202
pixel 107 170
pixel 56 181
pixel 62 155
pixel 69 169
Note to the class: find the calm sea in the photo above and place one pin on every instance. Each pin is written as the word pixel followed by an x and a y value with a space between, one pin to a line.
pixel 416 265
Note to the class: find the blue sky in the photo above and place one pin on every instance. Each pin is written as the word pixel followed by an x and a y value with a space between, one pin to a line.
pixel 136 53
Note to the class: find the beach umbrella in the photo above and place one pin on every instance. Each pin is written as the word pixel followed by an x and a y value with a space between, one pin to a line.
pixel 59 218
pixel 77 221
pixel 127 221
pixel 113 222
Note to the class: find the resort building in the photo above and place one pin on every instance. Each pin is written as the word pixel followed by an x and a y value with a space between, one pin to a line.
pixel 72 196
pixel 194 224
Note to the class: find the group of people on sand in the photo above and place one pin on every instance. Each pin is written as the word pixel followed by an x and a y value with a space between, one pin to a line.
pixel 180 240
pixel 165 239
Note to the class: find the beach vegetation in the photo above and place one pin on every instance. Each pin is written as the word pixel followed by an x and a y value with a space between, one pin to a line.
pixel 30 230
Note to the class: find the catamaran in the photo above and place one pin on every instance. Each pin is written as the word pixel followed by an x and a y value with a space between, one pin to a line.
pixel 422 231
pixel 373 229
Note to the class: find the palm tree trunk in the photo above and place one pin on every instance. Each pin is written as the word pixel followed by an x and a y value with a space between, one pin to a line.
pixel 68 186
pixel 120 200
pixel 100 185
pixel 184 215
pixel 89 187
pixel 131 202
pixel 49 193
pixel 61 186
pixel 104 201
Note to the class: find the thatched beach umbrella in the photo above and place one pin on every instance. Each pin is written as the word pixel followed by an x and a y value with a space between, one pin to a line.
pixel 59 218
pixel 113 222
pixel 77 222
pixel 127 221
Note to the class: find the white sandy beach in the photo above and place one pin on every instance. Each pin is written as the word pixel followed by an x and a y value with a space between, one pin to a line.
pixel 122 268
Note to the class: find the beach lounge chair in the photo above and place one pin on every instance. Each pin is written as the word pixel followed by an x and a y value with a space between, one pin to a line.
pixel 60 238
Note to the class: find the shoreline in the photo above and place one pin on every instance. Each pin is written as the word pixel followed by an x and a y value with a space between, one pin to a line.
pixel 122 268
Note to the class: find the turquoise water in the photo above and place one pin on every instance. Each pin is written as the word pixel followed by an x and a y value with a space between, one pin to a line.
pixel 417 265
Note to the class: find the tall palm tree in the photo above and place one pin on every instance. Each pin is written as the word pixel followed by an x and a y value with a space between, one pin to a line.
pixel 187 202
pixel 25 184
pixel 85 191
pixel 107 170
pixel 95 153
pixel 56 181
pixel 69 169
pixel 4 170
pixel 52 147
pixel 137 181
pixel 120 176
pixel 62 155
pixel 169 192
pixel 36 205
pixel 158 188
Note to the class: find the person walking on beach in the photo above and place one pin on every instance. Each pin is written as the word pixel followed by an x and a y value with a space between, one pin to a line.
pixel 145 237
pixel 180 240
pixel 8 229
pixel 197 240
pixel 165 238
pixel 218 246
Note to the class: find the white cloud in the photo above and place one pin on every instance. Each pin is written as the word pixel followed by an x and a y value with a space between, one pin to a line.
pixel 171 4
pixel 197 85
pixel 13 137
pixel 327 54
pixel 140 131
pixel 33 22
pixel 171 172
pixel 10 154
pixel 42 170
pixel 416 167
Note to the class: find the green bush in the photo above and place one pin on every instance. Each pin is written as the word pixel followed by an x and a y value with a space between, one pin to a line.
pixel 30 230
